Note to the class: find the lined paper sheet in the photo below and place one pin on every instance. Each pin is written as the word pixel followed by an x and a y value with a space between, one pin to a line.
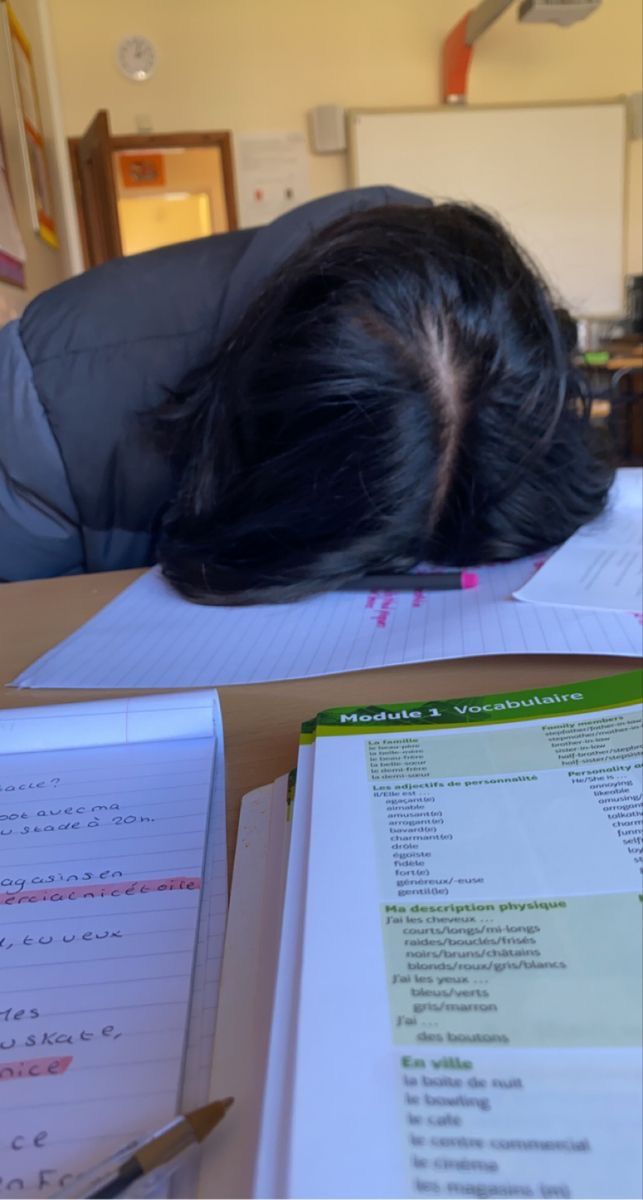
pixel 100 880
pixel 111 722
pixel 601 566
pixel 149 637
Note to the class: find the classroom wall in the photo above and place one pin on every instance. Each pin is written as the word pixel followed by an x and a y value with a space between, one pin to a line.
pixel 45 266
pixel 251 65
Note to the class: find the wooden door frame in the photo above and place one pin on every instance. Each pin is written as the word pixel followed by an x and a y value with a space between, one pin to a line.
pixel 189 141
pixel 218 139
pixel 72 146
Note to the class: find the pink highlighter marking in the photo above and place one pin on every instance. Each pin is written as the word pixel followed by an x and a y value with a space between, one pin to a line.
pixel 88 891
pixel 469 579
pixel 32 1068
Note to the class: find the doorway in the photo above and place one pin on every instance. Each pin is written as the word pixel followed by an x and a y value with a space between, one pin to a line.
pixel 140 191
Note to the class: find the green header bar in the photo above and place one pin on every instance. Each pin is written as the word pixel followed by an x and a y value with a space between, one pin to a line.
pixel 307 732
pixel 590 695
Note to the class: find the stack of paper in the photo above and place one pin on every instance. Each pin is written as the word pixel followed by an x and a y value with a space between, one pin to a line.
pixel 456 1006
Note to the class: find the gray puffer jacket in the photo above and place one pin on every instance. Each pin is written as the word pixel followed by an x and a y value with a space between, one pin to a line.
pixel 81 487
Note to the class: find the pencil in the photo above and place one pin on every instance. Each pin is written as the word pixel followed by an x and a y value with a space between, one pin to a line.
pixel 434 581
pixel 157 1152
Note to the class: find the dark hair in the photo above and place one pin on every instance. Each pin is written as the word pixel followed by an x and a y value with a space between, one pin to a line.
pixel 401 390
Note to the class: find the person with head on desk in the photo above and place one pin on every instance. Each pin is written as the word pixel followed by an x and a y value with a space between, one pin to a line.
pixel 369 381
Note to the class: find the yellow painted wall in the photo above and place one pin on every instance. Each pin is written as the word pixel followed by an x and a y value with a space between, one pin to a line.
pixel 251 65
pixel 45 266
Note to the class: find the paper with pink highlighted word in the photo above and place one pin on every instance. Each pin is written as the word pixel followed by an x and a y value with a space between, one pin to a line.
pixel 105 815
pixel 150 637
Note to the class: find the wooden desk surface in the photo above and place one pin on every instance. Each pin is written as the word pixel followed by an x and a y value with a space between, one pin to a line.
pixel 261 721
pixel 625 362
pixel 617 361
pixel 625 353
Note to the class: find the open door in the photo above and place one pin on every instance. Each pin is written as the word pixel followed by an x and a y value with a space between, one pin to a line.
pixel 96 192
pixel 138 191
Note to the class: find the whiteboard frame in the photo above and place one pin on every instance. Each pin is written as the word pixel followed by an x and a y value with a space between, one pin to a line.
pixel 621 100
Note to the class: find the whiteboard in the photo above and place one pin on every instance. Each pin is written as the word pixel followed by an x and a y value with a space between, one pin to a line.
pixel 553 173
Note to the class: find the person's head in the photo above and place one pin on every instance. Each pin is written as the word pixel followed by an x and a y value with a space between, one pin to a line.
pixel 400 391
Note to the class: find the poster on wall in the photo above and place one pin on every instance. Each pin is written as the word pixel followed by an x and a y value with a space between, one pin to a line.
pixel 30 125
pixel 142 170
pixel 12 247
pixel 272 175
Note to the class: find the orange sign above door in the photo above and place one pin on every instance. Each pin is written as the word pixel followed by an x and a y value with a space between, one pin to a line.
pixel 142 170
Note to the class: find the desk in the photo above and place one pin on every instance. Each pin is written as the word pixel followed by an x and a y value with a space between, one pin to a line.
pixel 619 381
pixel 625 362
pixel 34 616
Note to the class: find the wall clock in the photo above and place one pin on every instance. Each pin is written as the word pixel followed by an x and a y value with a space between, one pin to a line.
pixel 136 57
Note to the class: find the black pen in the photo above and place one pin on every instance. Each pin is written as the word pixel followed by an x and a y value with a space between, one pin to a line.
pixel 419 581
pixel 156 1153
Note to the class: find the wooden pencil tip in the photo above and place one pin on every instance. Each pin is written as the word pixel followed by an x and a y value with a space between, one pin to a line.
pixel 204 1119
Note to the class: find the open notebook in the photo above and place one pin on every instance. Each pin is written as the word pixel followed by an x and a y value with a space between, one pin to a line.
pixel 112 913
pixel 454 1008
